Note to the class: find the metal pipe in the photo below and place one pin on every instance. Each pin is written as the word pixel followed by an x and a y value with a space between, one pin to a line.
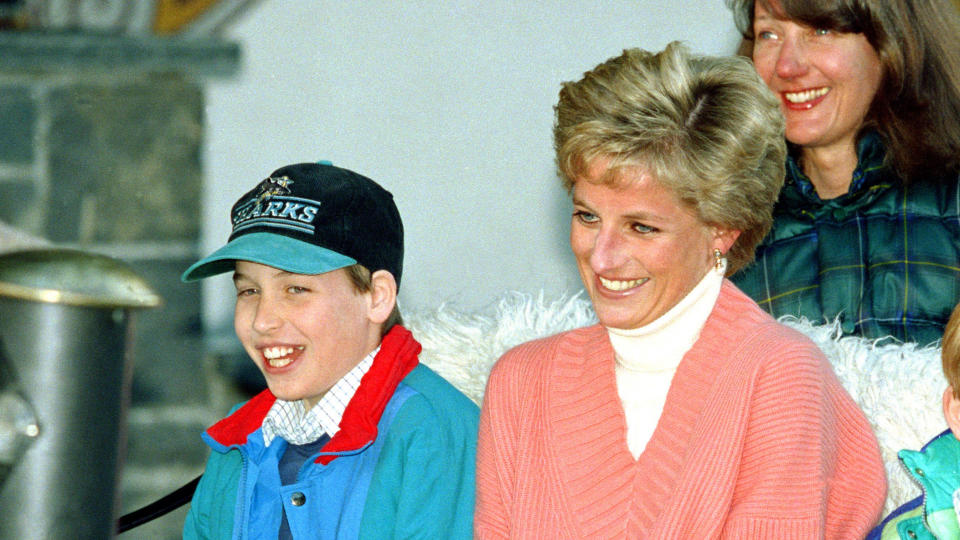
pixel 66 325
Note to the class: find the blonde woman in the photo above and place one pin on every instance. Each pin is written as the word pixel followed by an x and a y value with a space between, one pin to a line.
pixel 687 412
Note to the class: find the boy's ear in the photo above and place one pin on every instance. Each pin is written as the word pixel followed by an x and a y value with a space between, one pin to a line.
pixel 951 411
pixel 383 295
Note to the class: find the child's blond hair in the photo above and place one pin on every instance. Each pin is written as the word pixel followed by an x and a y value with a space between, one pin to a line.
pixel 950 353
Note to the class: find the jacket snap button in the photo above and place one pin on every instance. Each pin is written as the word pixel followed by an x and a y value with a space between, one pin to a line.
pixel 298 499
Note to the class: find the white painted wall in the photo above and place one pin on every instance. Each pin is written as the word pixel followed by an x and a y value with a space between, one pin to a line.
pixel 447 104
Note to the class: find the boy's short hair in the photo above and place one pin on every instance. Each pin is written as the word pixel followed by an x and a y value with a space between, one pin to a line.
pixel 950 351
pixel 362 280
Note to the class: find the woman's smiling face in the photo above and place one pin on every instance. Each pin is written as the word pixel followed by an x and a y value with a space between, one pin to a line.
pixel 826 80
pixel 639 249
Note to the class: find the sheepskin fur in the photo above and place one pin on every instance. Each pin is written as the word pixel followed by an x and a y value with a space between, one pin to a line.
pixel 897 385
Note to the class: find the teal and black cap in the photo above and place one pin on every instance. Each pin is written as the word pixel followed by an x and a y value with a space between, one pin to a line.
pixel 311 218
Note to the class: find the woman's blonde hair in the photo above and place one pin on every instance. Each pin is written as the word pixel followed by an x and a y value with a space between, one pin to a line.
pixel 706 127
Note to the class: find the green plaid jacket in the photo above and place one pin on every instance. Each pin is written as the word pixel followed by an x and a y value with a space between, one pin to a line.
pixel 884 258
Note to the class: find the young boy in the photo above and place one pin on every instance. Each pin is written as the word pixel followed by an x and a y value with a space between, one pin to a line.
pixel 936 467
pixel 353 438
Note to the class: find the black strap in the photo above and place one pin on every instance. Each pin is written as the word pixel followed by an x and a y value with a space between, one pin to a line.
pixel 159 507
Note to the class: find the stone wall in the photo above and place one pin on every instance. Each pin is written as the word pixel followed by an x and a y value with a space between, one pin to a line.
pixel 100 149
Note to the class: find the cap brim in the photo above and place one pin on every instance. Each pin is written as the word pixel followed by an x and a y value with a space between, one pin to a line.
pixel 274 250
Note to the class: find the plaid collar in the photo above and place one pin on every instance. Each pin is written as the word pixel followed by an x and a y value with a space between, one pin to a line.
pixel 870 157
pixel 871 180
pixel 290 421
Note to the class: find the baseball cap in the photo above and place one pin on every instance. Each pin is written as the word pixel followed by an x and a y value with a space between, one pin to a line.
pixel 311 218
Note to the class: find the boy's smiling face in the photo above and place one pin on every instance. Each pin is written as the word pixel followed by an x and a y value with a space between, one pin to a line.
pixel 304 332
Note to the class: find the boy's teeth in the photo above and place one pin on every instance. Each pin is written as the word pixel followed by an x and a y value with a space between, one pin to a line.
pixel 806 95
pixel 618 285
pixel 279 356
pixel 277 352
pixel 279 362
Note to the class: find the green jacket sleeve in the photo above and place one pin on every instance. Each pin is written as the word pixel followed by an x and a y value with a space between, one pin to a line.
pixel 214 502
pixel 423 486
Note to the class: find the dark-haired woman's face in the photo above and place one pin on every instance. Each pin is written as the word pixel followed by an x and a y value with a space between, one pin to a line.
pixel 826 80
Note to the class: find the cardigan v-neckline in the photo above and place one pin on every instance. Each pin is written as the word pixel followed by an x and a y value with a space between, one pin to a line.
pixel 645 483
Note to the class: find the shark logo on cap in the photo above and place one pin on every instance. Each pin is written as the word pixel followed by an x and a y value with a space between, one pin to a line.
pixel 273 205
pixel 275 185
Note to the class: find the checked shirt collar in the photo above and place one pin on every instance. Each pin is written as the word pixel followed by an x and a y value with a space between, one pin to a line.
pixel 289 421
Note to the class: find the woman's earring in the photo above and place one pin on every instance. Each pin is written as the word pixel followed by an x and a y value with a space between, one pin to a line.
pixel 718 262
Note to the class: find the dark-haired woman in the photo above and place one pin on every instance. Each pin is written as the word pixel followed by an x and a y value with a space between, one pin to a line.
pixel 866 228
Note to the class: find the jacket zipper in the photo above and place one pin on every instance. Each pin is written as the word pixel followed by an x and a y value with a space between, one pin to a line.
pixel 239 520
pixel 923 492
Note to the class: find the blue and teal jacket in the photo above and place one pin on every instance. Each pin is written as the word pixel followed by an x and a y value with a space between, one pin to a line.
pixel 401 466
pixel 936 468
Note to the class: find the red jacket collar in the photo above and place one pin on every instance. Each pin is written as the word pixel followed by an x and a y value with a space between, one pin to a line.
pixel 397 357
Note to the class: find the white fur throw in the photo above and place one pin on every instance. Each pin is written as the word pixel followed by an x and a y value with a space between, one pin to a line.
pixel 897 385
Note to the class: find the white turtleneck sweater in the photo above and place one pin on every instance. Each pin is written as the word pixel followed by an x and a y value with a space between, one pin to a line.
pixel 647 357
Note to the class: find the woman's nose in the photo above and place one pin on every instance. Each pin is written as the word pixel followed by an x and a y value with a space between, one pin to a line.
pixel 608 251
pixel 791 58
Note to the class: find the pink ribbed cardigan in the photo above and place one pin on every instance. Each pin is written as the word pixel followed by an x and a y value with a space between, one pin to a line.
pixel 758 439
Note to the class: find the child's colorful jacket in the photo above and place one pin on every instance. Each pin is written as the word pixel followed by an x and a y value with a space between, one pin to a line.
pixel 402 464
pixel 936 468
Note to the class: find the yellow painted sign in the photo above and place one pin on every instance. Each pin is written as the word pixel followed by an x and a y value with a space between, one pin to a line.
pixel 172 15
